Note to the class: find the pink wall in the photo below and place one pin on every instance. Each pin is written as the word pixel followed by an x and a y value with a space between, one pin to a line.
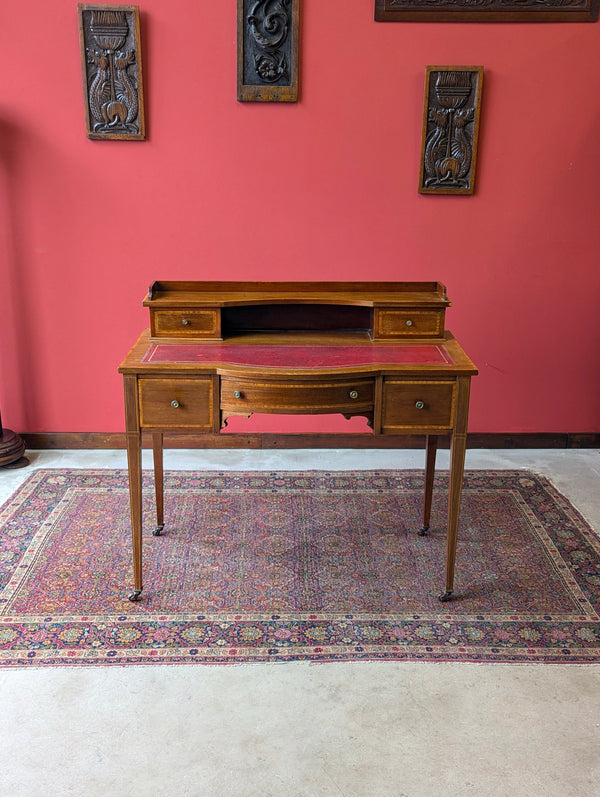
pixel 322 189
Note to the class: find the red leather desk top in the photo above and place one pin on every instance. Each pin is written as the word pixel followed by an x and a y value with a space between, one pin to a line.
pixel 298 356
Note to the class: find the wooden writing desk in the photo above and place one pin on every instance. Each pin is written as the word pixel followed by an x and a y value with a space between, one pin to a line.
pixel 219 349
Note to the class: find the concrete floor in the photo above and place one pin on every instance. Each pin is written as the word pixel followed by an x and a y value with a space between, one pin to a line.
pixel 357 730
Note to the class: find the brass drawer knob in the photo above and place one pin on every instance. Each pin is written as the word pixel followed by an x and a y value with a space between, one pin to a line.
pixel 419 405
pixel 175 404
pixel 237 394
pixel 353 394
pixel 185 322
pixel 409 323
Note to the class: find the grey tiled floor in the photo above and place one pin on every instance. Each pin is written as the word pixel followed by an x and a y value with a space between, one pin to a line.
pixel 358 730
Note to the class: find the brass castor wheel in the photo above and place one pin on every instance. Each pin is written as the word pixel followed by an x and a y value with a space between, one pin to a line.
pixel 135 595
pixel 423 532
pixel 158 531
pixel 446 596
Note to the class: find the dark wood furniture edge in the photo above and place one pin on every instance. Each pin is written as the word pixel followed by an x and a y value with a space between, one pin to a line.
pixel 116 440
pixel 449 12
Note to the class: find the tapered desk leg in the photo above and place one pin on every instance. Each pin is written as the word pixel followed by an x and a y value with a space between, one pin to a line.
pixel 157 450
pixel 432 442
pixel 134 464
pixel 457 467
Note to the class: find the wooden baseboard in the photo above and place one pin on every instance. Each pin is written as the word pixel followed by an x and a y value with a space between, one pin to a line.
pixel 116 440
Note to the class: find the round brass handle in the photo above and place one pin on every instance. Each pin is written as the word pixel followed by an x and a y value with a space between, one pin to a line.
pixel 419 405
pixel 185 322
pixel 175 404
pixel 237 394
pixel 353 394
pixel 409 323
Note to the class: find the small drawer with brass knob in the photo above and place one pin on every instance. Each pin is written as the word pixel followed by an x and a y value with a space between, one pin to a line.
pixel 176 402
pixel 410 404
pixel 203 324
pixel 409 323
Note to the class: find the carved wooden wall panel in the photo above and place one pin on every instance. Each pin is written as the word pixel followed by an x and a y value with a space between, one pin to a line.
pixel 111 59
pixel 450 129
pixel 268 50
pixel 486 10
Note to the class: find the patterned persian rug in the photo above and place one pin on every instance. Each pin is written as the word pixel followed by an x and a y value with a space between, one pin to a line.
pixel 318 566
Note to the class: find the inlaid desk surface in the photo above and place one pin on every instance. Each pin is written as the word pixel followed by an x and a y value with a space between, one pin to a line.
pixel 297 356
pixel 445 356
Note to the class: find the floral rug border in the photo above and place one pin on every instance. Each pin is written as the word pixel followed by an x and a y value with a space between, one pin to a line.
pixel 92 640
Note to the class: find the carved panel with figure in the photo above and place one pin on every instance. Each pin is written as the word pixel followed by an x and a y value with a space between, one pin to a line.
pixel 450 129
pixel 111 58
pixel 268 50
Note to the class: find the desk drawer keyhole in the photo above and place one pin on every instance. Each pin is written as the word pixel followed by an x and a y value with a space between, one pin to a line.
pixel 420 405
pixel 175 404
pixel 237 394
pixel 353 394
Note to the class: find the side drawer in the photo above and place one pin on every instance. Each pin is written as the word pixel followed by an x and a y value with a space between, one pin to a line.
pixel 177 403
pixel 413 404
pixel 295 397
pixel 204 323
pixel 408 323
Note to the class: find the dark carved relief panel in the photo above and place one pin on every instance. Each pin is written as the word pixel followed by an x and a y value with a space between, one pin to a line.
pixel 486 10
pixel 268 50
pixel 450 129
pixel 112 71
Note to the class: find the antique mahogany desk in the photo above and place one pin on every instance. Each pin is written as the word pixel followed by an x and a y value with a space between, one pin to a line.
pixel 373 349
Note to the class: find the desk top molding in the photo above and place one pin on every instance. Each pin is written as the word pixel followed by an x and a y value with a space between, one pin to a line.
pixel 222 294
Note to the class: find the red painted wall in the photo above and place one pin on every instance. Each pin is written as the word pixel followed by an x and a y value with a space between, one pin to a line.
pixel 322 189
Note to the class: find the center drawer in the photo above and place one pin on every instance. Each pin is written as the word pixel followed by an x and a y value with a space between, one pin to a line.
pixel 352 396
